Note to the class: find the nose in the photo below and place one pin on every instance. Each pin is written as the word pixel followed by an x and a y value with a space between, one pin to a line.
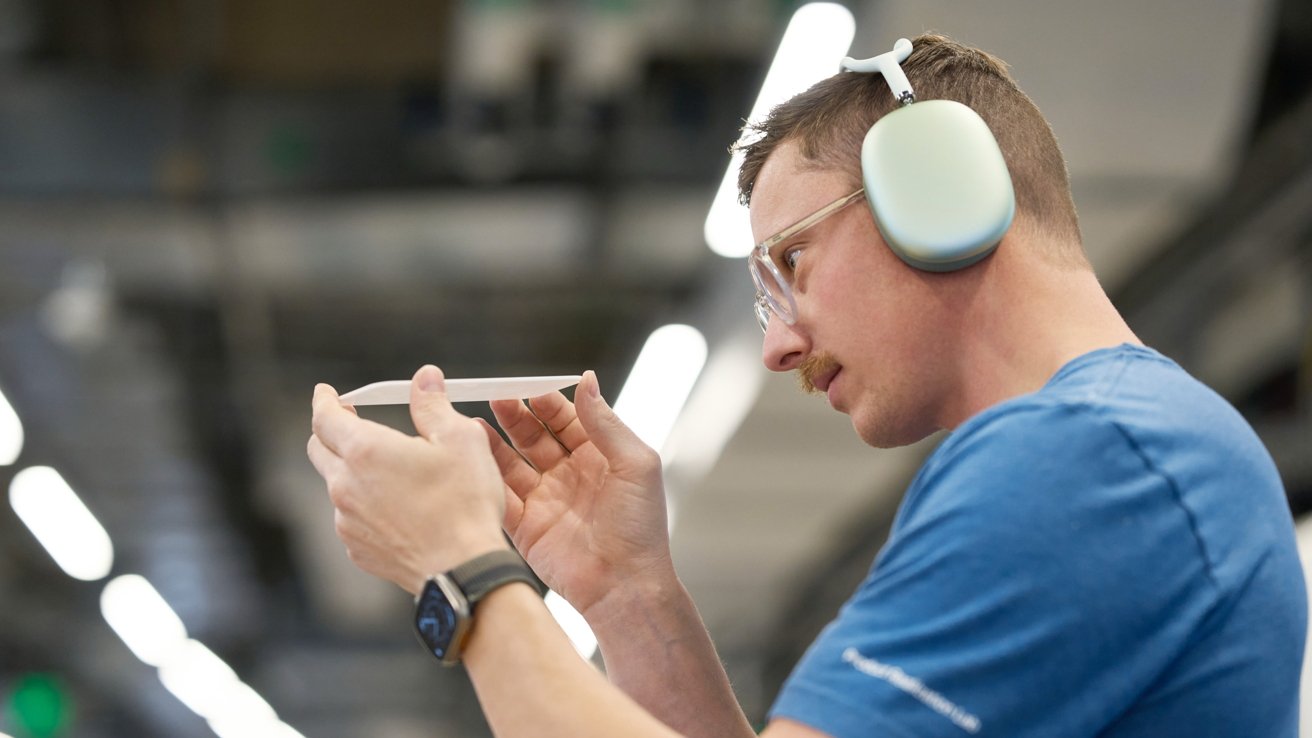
pixel 784 347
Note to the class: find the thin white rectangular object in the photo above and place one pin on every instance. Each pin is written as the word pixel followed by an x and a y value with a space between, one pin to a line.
pixel 397 392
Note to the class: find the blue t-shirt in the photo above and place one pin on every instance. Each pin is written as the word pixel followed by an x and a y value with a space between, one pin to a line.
pixel 1109 556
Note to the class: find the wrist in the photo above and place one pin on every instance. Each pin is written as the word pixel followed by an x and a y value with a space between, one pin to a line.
pixel 446 607
pixel 633 597
pixel 452 555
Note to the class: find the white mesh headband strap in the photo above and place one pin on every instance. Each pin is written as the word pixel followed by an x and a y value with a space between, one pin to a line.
pixel 887 64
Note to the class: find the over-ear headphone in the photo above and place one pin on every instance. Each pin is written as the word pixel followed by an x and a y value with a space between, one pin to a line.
pixel 934 175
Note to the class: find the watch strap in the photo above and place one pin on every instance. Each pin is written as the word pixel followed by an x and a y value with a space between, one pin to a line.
pixel 482 574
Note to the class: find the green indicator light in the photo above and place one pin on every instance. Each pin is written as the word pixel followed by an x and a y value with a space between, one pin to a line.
pixel 39 707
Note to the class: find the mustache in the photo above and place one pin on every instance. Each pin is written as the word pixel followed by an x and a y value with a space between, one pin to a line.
pixel 813 366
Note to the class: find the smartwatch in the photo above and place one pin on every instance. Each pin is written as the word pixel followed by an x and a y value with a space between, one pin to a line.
pixel 444 608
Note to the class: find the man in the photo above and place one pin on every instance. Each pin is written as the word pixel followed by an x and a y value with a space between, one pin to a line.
pixel 1100 547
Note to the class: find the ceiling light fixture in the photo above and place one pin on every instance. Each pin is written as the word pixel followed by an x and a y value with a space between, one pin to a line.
pixel 188 669
pixel 726 392
pixel 61 523
pixel 11 433
pixel 814 44
pixel 142 619
pixel 571 621
pixel 660 382
pixel 205 683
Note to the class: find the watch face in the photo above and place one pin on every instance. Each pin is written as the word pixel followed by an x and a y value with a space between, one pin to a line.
pixel 441 616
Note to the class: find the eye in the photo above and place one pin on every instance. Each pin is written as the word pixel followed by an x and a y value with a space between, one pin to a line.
pixel 791 257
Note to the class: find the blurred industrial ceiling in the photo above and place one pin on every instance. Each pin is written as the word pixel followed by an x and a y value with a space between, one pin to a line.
pixel 206 206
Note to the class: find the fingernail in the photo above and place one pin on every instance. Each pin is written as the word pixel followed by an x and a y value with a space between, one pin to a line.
pixel 594 388
pixel 430 378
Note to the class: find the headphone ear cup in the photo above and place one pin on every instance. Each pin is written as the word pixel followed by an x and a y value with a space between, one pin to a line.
pixel 938 185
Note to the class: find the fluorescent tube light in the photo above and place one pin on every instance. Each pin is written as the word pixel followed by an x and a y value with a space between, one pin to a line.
pixel 725 394
pixel 661 380
pixel 237 726
pixel 209 687
pixel 11 433
pixel 141 617
pixel 579 632
pixel 243 713
pixel 61 523
pixel 814 44
pixel 188 669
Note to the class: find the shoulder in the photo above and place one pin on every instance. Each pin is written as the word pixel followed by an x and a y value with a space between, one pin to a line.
pixel 1122 445
pixel 1108 418
pixel 1022 429
pixel 1056 477
pixel 1023 449
pixel 1084 403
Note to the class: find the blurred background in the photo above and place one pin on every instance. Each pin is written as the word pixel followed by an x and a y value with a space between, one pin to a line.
pixel 206 206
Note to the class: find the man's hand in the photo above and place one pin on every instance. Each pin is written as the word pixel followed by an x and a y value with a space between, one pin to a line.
pixel 586 506
pixel 582 498
pixel 408 507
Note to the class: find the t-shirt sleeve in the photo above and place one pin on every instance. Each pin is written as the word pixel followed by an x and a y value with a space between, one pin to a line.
pixel 1034 583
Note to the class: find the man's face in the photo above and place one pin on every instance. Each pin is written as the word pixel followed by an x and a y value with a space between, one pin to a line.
pixel 864 333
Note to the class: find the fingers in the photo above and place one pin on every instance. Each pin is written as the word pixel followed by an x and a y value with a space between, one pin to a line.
pixel 560 417
pixel 334 424
pixel 327 463
pixel 429 407
pixel 514 512
pixel 620 445
pixel 341 431
pixel 528 434
pixel 519 476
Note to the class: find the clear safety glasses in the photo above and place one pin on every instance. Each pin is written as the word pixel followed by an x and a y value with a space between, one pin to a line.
pixel 774 291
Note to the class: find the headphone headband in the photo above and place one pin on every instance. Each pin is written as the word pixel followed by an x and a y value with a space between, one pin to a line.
pixel 888 64
pixel 935 178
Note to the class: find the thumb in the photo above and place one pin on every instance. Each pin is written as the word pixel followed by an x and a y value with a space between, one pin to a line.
pixel 615 440
pixel 428 401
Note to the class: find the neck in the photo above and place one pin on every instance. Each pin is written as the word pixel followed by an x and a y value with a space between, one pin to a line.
pixel 1025 319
